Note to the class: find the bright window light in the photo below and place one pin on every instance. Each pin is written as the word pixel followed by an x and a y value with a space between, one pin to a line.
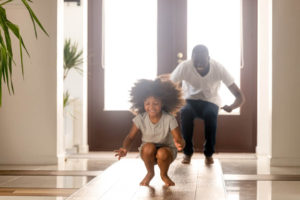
pixel 216 24
pixel 130 48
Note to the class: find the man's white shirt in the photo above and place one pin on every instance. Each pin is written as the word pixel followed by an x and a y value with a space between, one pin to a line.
pixel 199 87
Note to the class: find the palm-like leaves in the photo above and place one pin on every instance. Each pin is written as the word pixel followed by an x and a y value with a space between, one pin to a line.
pixel 6 53
pixel 72 57
pixel 66 98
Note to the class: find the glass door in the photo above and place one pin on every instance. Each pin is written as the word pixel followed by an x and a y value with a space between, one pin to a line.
pixel 142 38
pixel 217 24
pixel 129 48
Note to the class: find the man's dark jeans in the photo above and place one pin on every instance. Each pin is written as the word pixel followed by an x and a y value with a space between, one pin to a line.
pixel 203 110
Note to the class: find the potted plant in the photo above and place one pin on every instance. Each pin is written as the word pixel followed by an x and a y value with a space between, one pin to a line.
pixel 6 54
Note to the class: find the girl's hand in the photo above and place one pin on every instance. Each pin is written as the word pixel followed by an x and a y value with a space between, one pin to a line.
pixel 120 153
pixel 180 145
pixel 178 140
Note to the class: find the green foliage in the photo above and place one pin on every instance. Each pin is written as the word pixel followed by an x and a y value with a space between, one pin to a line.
pixel 66 98
pixel 6 53
pixel 72 57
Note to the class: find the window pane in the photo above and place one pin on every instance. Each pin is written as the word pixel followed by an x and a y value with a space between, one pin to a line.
pixel 130 50
pixel 216 24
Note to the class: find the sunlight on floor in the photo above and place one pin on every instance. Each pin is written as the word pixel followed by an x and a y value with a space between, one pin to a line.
pixel 286 184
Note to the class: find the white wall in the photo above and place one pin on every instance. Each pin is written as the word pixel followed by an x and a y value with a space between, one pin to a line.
pixel 29 119
pixel 286 81
pixel 278 80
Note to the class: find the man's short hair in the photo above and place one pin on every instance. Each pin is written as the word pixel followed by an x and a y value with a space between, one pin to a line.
pixel 200 49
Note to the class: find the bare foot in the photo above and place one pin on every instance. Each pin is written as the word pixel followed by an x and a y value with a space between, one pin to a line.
pixel 147 179
pixel 167 180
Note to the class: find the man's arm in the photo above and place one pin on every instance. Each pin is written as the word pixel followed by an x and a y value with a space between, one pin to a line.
pixel 176 75
pixel 164 77
pixel 239 98
pixel 167 77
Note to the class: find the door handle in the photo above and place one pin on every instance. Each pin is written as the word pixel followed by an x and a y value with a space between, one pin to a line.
pixel 179 57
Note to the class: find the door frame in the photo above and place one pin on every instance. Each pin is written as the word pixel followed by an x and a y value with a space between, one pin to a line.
pixel 225 142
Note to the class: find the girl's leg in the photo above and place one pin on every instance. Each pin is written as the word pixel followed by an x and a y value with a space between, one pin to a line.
pixel 164 159
pixel 148 156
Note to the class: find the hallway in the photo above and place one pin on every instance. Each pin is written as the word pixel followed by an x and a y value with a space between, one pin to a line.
pixel 32 128
pixel 98 175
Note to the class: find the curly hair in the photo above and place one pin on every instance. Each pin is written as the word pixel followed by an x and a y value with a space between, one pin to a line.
pixel 165 90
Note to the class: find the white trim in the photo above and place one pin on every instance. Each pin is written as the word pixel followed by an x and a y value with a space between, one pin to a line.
pixel 261 153
pixel 285 162
pixel 83 148
pixel 61 158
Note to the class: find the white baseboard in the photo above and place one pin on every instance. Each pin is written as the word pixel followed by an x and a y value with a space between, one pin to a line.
pixel 29 160
pixel 262 153
pixel 278 161
pixel 285 162
pixel 61 158
pixel 83 148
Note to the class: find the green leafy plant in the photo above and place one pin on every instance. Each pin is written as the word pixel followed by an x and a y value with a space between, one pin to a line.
pixel 72 57
pixel 6 52
pixel 72 60
pixel 66 98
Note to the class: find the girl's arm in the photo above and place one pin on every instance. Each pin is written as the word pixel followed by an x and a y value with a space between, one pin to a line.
pixel 178 140
pixel 127 142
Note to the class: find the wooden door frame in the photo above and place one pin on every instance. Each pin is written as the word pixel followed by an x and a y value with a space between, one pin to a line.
pixel 95 70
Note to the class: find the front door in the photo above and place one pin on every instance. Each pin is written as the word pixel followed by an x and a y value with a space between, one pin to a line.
pixel 107 127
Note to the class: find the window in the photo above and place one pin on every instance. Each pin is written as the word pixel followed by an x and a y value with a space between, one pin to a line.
pixel 130 48
pixel 216 24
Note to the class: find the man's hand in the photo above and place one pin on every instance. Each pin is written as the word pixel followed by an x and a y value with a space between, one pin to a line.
pixel 227 108
pixel 239 98
pixel 120 153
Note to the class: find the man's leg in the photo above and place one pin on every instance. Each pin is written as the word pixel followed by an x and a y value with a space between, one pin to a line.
pixel 187 127
pixel 210 115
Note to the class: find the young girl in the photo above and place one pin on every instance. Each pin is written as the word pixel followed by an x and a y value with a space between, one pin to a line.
pixel 155 103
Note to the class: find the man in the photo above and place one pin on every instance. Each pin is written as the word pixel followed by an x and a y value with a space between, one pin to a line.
pixel 201 78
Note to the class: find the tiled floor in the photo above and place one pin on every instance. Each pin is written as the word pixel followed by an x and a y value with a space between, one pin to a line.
pixel 121 181
pixel 264 182
pixel 43 181
pixel 245 178
pixel 30 198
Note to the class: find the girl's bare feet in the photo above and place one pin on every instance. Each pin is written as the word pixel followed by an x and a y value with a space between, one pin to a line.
pixel 147 179
pixel 167 180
